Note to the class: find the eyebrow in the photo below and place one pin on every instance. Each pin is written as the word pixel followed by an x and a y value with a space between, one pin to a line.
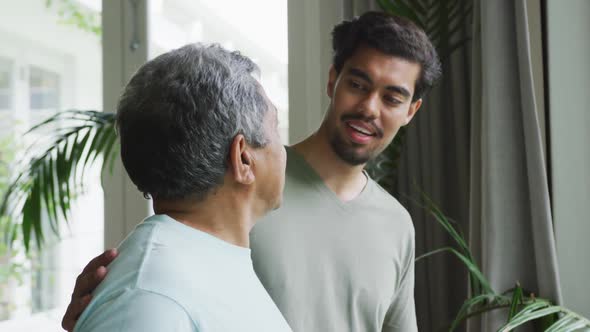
pixel 393 88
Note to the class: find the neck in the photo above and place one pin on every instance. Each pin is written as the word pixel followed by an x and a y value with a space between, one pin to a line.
pixel 345 180
pixel 222 215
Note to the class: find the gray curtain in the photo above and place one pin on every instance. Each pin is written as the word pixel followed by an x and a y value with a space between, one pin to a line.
pixel 511 224
pixel 435 159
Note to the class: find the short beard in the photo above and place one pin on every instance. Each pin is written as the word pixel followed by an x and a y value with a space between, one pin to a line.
pixel 347 152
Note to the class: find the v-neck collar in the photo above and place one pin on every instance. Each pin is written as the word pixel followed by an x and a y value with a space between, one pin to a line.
pixel 296 160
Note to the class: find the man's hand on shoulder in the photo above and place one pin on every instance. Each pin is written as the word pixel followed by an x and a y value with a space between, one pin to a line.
pixel 87 281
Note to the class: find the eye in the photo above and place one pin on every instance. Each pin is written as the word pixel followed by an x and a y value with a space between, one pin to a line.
pixel 356 85
pixel 391 100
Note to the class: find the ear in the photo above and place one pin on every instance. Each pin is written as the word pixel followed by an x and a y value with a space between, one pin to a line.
pixel 414 107
pixel 332 77
pixel 241 162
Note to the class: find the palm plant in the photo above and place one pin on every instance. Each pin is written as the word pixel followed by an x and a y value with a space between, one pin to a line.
pixel 441 20
pixel 523 306
pixel 52 172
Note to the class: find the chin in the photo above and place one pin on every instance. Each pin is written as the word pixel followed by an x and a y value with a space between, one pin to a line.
pixel 351 153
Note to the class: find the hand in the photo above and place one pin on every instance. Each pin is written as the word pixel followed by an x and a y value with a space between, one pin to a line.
pixel 86 282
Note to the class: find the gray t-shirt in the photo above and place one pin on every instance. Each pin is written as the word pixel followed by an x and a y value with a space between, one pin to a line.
pixel 336 266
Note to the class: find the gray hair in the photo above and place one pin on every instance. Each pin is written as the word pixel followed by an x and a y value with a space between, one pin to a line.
pixel 179 115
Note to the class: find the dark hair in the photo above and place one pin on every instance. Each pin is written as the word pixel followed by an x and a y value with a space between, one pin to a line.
pixel 179 114
pixel 391 35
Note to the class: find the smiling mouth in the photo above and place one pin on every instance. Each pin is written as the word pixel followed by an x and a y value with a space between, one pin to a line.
pixel 360 129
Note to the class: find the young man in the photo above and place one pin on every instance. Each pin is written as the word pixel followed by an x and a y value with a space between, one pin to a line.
pixel 199 136
pixel 339 254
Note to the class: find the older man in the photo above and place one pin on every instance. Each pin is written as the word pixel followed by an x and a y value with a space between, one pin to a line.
pixel 199 137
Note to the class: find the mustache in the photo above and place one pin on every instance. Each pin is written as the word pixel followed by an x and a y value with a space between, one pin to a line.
pixel 369 121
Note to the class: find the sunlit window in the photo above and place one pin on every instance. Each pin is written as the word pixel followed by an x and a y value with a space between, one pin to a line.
pixel 43 89
pixel 47 65
pixel 246 26
pixel 6 85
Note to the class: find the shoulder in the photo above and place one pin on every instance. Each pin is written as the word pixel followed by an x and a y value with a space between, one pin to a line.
pixel 138 310
pixel 126 269
pixel 384 203
pixel 154 258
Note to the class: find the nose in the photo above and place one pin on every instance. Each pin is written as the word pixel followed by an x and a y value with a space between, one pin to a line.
pixel 369 106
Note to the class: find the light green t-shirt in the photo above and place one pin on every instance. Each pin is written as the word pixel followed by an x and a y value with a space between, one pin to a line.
pixel 172 277
pixel 337 266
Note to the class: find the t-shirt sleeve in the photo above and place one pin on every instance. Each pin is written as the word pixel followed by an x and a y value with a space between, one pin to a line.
pixel 401 315
pixel 139 311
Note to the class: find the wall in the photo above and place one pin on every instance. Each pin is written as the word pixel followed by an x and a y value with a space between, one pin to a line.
pixel 310 24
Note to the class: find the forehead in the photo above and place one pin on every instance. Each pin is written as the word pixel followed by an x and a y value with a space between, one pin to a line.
pixel 384 69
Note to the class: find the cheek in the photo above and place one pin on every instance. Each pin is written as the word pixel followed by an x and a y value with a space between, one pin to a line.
pixel 391 124
pixel 344 100
pixel 278 159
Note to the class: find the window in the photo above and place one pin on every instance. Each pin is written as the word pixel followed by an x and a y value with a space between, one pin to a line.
pixel 6 98
pixel 47 66
pixel 6 85
pixel 235 25
pixel 43 89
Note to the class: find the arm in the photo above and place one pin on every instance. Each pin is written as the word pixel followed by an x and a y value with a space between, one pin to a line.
pixel 86 282
pixel 136 310
pixel 401 315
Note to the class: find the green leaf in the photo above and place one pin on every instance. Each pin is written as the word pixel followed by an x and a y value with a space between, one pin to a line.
pixel 32 217
pixel 36 212
pixel 62 182
pixel 48 193
pixel 471 266
pixel 95 146
pixel 435 211
pixel 399 8
pixel 77 155
pixel 468 306
pixel 441 20
pixel 479 285
pixel 109 145
pixel 516 300
pixel 27 224
pixel 529 316
pixel 43 180
pixel 539 309
pixel 562 323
